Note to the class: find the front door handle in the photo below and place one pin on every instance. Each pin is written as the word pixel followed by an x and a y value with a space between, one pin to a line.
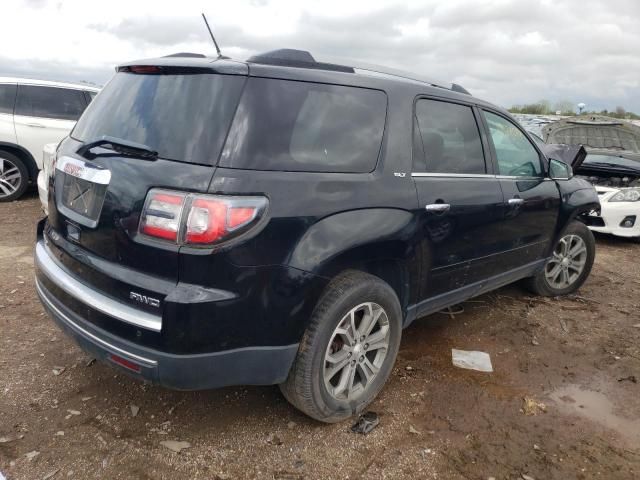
pixel 514 202
pixel 36 125
pixel 438 207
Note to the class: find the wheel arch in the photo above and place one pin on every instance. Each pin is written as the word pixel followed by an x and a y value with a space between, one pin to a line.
pixel 24 155
pixel 377 241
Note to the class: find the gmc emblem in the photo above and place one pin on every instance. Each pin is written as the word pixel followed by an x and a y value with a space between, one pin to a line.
pixel 152 302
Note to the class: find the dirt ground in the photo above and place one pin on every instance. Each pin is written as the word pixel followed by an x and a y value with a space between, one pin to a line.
pixel 576 360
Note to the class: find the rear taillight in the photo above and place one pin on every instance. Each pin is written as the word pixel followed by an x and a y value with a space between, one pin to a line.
pixel 192 219
pixel 162 213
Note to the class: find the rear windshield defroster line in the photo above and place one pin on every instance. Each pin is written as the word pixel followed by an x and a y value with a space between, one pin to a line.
pixel 183 117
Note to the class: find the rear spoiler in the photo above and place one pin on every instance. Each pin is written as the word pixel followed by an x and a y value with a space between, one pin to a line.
pixel 572 155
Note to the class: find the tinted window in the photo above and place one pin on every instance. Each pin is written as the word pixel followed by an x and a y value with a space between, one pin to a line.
pixel 50 102
pixel 515 154
pixel 182 117
pixel 7 98
pixel 450 139
pixel 298 126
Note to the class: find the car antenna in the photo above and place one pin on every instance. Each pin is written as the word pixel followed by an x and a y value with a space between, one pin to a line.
pixel 212 37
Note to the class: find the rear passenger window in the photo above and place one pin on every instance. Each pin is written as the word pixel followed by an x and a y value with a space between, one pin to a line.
pixel 301 126
pixel 515 153
pixel 50 102
pixel 7 98
pixel 450 139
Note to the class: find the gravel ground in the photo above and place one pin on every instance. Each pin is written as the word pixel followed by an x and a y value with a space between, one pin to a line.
pixel 562 403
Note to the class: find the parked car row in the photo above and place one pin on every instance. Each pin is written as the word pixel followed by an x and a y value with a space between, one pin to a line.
pixel 34 113
pixel 281 220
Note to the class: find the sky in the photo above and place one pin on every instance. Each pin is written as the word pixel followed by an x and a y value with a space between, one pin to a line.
pixel 504 51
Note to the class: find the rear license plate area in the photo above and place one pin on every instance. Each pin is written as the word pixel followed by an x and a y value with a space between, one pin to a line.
pixel 80 190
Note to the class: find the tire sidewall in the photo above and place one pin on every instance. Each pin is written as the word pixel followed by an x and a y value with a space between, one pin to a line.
pixel 383 295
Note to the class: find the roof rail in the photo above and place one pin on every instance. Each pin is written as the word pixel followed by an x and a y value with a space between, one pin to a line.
pixel 302 59
pixel 379 69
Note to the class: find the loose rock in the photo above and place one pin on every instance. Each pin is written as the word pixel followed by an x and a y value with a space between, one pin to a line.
pixel 50 474
pixel 532 407
pixel 274 439
pixel 175 446
pixel 31 455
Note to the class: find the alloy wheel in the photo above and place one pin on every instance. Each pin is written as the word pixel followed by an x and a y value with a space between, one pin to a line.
pixel 10 178
pixel 568 262
pixel 356 352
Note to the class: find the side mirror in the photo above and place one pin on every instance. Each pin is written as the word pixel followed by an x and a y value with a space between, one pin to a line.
pixel 559 170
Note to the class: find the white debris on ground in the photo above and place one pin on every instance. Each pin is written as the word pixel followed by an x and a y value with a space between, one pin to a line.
pixel 472 360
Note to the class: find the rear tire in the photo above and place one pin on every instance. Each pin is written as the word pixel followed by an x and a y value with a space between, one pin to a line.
pixel 570 265
pixel 358 323
pixel 14 177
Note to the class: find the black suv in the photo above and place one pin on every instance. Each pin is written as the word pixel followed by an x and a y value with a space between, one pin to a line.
pixel 280 221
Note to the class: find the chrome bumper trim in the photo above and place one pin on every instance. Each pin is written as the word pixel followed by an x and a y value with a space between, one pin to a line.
pixel 90 297
pixel 136 358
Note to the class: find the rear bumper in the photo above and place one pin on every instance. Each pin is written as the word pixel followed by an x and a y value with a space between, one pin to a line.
pixel 260 365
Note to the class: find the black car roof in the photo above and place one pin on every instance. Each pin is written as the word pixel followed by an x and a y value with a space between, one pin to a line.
pixel 291 64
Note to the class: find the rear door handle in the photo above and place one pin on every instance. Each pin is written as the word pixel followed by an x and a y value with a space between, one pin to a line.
pixel 438 207
pixel 514 202
pixel 36 125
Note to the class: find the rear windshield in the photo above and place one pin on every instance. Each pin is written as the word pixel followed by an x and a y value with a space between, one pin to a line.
pixel 182 117
pixel 300 126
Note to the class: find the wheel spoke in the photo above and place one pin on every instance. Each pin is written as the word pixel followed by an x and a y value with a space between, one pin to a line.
pixel 13 176
pixel 341 387
pixel 367 371
pixel 7 189
pixel 564 247
pixel 369 321
pixel 343 332
pixel 578 249
pixel 379 339
pixel 339 361
pixel 553 273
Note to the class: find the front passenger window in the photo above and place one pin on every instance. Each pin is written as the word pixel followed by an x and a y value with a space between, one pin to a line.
pixel 516 156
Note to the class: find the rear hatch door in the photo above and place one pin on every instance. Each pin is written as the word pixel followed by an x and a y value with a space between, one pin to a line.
pixel 153 126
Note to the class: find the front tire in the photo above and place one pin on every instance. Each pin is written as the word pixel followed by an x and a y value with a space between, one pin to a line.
pixel 14 177
pixel 348 351
pixel 570 264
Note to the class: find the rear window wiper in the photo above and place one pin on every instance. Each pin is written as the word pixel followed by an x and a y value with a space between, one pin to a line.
pixel 121 146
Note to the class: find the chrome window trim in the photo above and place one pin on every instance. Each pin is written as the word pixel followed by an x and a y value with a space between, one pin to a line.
pixel 477 175
pixel 92 298
pixel 453 175
pixel 88 334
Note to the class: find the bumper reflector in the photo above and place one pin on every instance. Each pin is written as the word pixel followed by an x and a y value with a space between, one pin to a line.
pixel 123 362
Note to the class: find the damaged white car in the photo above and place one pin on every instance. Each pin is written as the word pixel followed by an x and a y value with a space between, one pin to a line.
pixel 612 165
